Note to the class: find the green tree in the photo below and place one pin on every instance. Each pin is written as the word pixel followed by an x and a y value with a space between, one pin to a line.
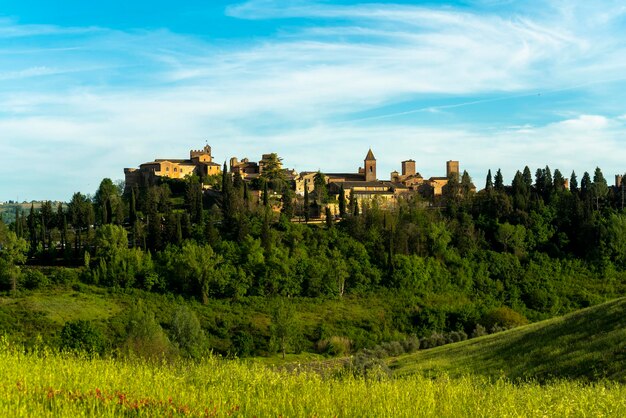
pixel 512 238
pixel 489 181
pixel 187 334
pixel 82 336
pixel 144 335
pixel 307 203
pixel 108 202
pixel 13 252
pixel 558 181
pixel 329 217
pixel 599 187
pixel 466 184
pixel 573 183
pixel 499 181
pixel 198 264
pixel 273 171
pixel 284 327
pixel 528 178
pixel 342 202
pixel 320 190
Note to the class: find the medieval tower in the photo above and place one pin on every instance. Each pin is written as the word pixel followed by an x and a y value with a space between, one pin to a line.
pixel 370 166
pixel 452 168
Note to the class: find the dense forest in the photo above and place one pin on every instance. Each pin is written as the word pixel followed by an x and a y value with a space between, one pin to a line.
pixel 459 263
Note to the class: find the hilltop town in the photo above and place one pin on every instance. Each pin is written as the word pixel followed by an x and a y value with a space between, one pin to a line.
pixel 361 186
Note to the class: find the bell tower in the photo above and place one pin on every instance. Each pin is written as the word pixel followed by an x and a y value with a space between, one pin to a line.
pixel 370 166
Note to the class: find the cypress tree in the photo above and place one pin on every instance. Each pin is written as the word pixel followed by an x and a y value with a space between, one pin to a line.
pixel 179 230
pixel 265 194
pixel 18 222
pixel 528 178
pixel 540 182
pixel 499 181
pixel 558 182
pixel 329 218
pixel 226 192
pixel 488 182
pixel 64 233
pixel 585 185
pixel 246 196
pixel 306 202
pixel 342 202
pixel 133 208
pixel 105 213
pixel 599 186
pixel 287 208
pixel 573 183
pixel 32 228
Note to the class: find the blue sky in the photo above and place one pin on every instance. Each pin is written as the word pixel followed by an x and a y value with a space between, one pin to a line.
pixel 88 88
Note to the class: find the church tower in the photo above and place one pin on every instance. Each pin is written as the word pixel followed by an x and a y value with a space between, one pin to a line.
pixel 370 166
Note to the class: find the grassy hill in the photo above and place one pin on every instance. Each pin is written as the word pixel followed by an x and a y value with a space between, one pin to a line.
pixel 589 344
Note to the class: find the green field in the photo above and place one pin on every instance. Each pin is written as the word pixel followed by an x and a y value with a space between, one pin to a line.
pixel 568 366
pixel 45 384
pixel 589 344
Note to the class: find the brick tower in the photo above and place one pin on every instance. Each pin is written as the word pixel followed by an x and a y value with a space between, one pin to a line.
pixel 370 166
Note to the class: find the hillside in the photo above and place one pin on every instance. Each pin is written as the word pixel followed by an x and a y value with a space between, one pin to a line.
pixel 589 344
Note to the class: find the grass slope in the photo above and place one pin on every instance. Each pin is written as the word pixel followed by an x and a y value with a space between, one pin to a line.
pixel 589 344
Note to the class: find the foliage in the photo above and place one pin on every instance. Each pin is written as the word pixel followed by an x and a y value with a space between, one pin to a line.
pixel 82 336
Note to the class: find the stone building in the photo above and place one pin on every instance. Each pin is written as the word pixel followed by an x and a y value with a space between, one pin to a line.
pixel 432 186
pixel 200 163
pixel 249 170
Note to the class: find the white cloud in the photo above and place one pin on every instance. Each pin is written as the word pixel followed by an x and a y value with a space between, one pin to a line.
pixel 96 100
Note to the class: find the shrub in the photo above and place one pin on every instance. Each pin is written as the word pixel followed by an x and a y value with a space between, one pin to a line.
pixel 145 337
pixel 35 279
pixel 479 331
pixel 456 336
pixel 335 345
pixel 243 343
pixel 393 348
pixel 65 276
pixel 363 365
pixel 82 336
pixel 503 318
pixel 187 334
pixel 411 344
pixel 339 346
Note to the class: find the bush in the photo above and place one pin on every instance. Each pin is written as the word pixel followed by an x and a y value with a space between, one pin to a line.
pixel 145 337
pixel 479 331
pixel 393 348
pixel 187 334
pixel 335 346
pixel 457 336
pixel 435 340
pixel 243 344
pixel 35 279
pixel 65 276
pixel 503 318
pixel 411 344
pixel 363 365
pixel 82 336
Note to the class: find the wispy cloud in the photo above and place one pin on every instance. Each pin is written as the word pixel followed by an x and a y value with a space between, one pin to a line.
pixel 396 77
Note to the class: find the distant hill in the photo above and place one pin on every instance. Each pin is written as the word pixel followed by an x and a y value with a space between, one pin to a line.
pixel 589 344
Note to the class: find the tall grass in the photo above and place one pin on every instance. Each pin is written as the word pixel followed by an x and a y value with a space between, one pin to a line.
pixel 56 385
